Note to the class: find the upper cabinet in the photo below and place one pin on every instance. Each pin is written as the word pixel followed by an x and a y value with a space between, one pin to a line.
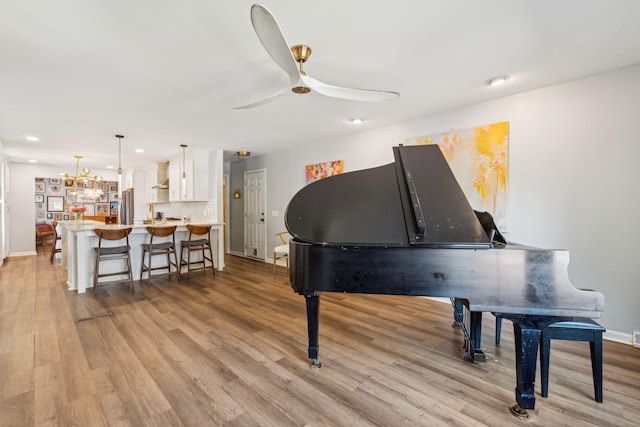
pixel 129 179
pixel 195 188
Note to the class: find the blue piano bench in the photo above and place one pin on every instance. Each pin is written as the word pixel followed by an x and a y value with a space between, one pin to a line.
pixel 578 329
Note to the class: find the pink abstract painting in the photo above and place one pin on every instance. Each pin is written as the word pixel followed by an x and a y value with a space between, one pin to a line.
pixel 318 171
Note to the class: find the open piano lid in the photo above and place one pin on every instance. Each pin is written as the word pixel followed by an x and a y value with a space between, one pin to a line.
pixel 415 201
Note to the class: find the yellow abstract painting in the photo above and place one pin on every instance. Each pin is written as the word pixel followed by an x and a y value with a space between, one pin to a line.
pixel 479 159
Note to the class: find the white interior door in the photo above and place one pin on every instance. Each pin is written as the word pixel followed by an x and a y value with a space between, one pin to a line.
pixel 254 214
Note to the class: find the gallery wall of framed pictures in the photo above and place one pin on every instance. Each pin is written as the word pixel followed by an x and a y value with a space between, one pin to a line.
pixel 51 200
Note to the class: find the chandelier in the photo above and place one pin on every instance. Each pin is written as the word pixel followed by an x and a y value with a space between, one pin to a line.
pixel 89 191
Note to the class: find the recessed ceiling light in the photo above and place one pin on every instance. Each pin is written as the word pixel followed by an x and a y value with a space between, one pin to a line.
pixel 497 81
pixel 139 150
pixel 356 121
pixel 33 161
pixel 32 138
pixel 109 167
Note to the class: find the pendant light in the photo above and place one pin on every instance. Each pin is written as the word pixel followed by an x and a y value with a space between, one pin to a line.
pixel 184 172
pixel 119 174
pixel 119 155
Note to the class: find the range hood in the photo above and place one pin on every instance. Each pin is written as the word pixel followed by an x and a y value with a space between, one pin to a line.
pixel 162 177
pixel 163 185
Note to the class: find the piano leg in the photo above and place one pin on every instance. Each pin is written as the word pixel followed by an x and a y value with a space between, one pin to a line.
pixel 313 320
pixel 526 343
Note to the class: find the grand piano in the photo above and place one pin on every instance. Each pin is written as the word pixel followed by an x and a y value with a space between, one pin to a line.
pixel 406 228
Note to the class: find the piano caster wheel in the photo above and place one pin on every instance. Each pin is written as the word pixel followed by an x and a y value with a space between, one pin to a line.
pixel 518 411
pixel 316 364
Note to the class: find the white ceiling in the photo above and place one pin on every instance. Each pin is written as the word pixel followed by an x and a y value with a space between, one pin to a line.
pixel 165 73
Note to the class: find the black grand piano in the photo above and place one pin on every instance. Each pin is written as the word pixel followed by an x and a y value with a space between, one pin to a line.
pixel 406 228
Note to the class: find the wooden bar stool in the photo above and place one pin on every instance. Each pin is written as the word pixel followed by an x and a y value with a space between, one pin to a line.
pixel 576 329
pixel 195 243
pixel 166 247
pixel 57 238
pixel 110 253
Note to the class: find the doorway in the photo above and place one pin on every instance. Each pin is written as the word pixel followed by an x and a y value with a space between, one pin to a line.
pixel 255 229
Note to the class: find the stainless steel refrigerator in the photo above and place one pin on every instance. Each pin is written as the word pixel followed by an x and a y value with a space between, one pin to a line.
pixel 126 206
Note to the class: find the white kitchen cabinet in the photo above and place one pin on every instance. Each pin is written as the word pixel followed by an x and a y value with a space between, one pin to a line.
pixel 149 182
pixel 196 186
pixel 129 179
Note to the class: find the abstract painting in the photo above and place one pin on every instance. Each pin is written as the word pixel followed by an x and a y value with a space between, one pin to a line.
pixel 479 159
pixel 317 171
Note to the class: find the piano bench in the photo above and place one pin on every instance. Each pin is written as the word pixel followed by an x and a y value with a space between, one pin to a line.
pixel 577 329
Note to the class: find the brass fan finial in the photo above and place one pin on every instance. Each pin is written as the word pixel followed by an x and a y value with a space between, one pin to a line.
pixel 301 53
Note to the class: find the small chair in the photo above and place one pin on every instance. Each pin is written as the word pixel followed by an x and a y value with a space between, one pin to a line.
pixel 54 247
pixel 43 230
pixel 110 253
pixel 577 329
pixel 195 244
pixel 281 251
pixel 166 247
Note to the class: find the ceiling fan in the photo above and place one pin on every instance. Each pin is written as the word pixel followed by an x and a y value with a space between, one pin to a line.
pixel 291 60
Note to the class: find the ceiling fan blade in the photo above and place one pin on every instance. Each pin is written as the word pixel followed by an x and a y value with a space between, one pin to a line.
pixel 271 37
pixel 365 95
pixel 263 100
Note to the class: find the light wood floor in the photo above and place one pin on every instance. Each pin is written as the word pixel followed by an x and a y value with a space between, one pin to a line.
pixel 231 351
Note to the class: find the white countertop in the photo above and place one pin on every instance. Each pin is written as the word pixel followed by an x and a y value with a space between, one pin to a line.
pixel 90 225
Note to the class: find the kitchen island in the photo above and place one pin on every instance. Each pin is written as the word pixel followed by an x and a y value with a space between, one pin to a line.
pixel 79 239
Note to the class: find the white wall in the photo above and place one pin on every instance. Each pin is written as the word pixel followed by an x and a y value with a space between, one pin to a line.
pixel 573 177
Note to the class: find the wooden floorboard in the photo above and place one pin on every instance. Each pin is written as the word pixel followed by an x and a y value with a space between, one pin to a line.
pixel 230 350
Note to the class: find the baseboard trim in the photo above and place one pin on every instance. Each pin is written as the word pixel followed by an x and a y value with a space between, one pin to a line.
pixel 18 254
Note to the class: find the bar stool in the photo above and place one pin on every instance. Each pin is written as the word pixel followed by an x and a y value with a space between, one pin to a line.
pixel 54 246
pixel 166 247
pixel 110 253
pixel 576 329
pixel 194 244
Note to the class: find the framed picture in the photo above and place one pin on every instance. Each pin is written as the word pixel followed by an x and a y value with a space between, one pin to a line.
pixel 39 179
pixel 40 213
pixel 84 200
pixel 114 196
pixel 41 187
pixel 104 198
pixel 90 209
pixel 69 192
pixel 55 181
pixel 49 215
pixel 57 217
pixel 65 217
pixel 113 208
pixel 113 188
pixel 55 203
pixel 105 188
pixel 102 209
pixel 68 183
pixel 55 188
pixel 39 198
